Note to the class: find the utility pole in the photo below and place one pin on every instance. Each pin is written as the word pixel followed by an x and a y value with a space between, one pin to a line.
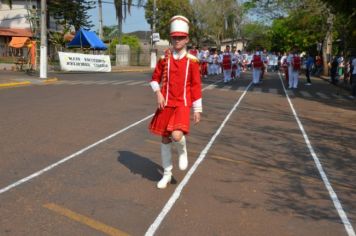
pixel 153 50
pixel 100 6
pixel 43 57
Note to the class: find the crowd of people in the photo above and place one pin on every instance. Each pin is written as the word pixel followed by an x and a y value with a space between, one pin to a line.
pixel 232 62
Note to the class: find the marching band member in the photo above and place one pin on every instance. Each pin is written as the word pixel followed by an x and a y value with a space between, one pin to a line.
pixel 177 84
pixel 194 51
pixel 257 65
pixel 203 57
pixel 226 60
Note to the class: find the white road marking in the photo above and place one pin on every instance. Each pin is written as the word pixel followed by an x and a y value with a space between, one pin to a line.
pixel 122 82
pixel 137 82
pixel 103 82
pixel 335 96
pixel 240 89
pixel 210 87
pixel 322 95
pixel 349 229
pixel 290 92
pixel 305 94
pixel 258 90
pixel 74 82
pixel 44 170
pixel 88 82
pixel 60 82
pixel 176 194
pixel 273 90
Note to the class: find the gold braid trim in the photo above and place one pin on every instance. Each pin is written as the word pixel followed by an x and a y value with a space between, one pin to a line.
pixel 167 56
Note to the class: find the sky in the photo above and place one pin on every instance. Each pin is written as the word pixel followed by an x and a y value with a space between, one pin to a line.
pixel 134 22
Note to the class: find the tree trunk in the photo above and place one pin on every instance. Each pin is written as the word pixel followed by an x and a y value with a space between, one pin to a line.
pixel 327 45
pixel 119 32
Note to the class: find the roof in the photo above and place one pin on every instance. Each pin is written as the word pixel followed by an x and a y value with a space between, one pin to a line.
pixel 16 32
pixel 86 39
pixel 19 42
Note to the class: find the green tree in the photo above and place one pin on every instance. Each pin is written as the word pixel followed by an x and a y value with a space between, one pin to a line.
pixel 310 11
pixel 218 19
pixel 132 41
pixel 71 13
pixel 257 35
pixel 300 28
pixel 165 10
pixel 122 7
pixel 345 23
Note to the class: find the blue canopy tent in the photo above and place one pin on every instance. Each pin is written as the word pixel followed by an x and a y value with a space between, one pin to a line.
pixel 87 39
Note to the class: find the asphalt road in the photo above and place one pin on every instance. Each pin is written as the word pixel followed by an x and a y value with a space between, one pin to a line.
pixel 76 158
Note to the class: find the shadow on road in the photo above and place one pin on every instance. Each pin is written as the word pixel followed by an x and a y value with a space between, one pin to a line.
pixel 141 166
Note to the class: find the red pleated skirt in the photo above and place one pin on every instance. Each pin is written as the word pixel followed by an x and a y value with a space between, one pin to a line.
pixel 169 119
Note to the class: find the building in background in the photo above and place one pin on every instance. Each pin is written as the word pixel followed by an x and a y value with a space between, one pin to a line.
pixel 19 26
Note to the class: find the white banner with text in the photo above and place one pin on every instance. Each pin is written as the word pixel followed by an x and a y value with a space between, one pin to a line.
pixel 84 62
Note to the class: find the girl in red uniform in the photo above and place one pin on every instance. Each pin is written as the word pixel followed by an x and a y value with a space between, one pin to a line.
pixel 177 84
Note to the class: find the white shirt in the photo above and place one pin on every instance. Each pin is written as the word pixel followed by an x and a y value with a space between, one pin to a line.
pixel 353 63
pixel 179 55
pixel 289 60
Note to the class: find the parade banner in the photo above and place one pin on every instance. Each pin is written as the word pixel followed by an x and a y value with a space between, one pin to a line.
pixel 84 62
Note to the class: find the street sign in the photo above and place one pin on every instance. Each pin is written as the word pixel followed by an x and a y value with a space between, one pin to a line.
pixel 155 37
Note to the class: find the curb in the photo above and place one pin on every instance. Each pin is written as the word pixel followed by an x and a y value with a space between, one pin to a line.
pixel 14 84
pixel 50 80
pixel 22 83
pixel 133 70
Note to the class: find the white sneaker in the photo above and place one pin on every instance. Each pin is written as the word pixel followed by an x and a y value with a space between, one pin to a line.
pixel 308 84
pixel 166 179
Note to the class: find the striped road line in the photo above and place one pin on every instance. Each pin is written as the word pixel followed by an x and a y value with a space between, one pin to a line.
pixel 122 82
pixel 108 230
pixel 273 90
pixel 137 82
pixel 305 94
pixel 322 95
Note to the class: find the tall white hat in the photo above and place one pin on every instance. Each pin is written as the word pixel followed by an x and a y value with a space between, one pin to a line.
pixel 179 26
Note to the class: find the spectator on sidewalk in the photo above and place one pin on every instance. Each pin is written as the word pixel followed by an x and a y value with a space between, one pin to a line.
pixel 333 71
pixel 353 78
pixel 340 66
pixel 318 65
pixel 308 68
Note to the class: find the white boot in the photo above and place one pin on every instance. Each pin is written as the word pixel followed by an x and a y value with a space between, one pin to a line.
pixel 182 153
pixel 166 156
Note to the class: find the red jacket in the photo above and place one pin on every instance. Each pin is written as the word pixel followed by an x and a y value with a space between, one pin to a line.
pixel 181 86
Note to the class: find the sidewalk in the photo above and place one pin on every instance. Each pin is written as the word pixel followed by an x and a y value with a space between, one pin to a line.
pixel 16 78
pixel 341 84
pixel 10 78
